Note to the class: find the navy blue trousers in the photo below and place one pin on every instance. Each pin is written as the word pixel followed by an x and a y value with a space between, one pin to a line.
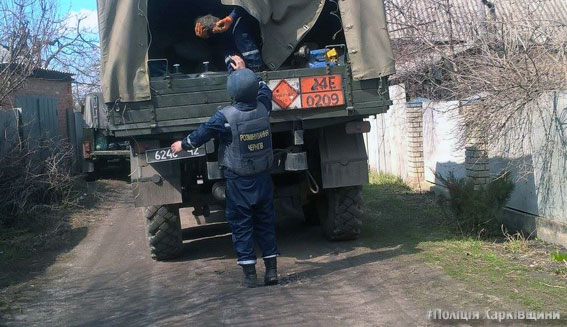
pixel 250 215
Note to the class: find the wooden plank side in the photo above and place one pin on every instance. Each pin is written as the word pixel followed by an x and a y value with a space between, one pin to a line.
pixel 191 111
pixel 193 98
pixel 368 95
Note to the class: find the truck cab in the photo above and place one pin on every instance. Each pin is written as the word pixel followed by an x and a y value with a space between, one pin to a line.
pixel 100 146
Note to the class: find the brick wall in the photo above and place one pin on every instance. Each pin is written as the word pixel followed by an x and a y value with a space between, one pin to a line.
pixel 476 158
pixel 52 88
pixel 414 114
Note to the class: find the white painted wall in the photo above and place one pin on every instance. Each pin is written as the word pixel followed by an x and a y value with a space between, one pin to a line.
pixel 537 191
pixel 386 144
pixel 441 151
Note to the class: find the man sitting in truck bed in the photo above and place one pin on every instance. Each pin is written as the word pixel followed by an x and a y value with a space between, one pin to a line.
pixel 237 35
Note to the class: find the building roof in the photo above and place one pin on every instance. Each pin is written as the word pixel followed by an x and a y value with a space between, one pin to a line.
pixel 51 74
pixel 47 74
pixel 462 20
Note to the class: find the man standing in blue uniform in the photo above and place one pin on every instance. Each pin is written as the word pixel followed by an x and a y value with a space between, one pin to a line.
pixel 237 35
pixel 245 155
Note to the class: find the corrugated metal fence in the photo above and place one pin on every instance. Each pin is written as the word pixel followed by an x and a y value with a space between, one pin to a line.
pixel 34 120
pixel 38 120
pixel 10 132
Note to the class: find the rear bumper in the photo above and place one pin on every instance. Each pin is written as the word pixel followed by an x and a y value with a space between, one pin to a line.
pixel 111 153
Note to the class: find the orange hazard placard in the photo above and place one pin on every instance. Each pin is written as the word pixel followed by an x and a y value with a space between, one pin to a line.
pixel 321 83
pixel 322 99
pixel 284 94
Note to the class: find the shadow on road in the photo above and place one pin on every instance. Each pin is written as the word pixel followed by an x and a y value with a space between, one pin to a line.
pixel 54 232
pixel 396 221
pixel 394 224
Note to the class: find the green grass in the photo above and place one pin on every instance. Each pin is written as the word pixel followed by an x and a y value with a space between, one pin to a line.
pixel 559 256
pixel 396 215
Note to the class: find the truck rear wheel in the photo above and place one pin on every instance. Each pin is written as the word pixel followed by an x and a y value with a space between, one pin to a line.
pixel 164 231
pixel 341 213
pixel 311 214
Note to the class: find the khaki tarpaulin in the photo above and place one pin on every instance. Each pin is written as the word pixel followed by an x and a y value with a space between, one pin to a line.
pixel 124 48
pixel 366 33
pixel 124 39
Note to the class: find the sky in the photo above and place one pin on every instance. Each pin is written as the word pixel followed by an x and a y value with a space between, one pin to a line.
pixel 80 8
pixel 77 5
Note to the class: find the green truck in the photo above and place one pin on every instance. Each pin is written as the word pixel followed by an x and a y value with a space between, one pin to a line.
pixel 328 64
pixel 99 144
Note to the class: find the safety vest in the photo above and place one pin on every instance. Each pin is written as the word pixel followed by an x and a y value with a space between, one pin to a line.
pixel 250 151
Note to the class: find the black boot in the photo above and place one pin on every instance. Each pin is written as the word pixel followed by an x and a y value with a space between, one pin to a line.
pixel 271 277
pixel 250 278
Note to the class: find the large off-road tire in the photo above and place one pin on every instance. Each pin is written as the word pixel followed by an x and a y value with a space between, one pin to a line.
pixel 164 231
pixel 311 213
pixel 341 213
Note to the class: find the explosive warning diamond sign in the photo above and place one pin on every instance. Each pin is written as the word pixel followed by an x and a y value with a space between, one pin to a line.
pixel 284 94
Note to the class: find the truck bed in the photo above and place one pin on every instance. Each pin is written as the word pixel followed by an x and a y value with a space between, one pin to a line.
pixel 181 104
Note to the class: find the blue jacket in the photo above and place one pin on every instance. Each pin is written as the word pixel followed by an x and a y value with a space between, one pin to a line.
pixel 241 39
pixel 218 126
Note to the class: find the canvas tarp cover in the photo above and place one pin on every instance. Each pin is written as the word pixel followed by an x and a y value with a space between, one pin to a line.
pixel 94 114
pixel 124 39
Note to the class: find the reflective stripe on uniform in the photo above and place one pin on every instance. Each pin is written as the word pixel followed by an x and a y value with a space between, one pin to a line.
pixel 247 53
pixel 236 24
pixel 246 262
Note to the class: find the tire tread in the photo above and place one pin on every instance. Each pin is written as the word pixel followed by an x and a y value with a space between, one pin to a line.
pixel 164 231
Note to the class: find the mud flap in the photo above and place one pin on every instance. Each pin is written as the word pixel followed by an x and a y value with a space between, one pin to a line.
pixel 156 183
pixel 88 166
pixel 344 161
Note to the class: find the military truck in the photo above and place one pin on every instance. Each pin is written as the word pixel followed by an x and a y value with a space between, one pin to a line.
pixel 99 144
pixel 327 63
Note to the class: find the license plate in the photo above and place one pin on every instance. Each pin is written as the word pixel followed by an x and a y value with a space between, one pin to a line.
pixel 165 154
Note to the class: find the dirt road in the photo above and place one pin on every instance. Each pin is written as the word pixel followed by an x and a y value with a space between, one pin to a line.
pixel 110 280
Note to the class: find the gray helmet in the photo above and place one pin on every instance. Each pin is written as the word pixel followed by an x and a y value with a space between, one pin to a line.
pixel 242 85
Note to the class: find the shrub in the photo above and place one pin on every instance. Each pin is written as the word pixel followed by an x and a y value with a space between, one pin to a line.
pixel 477 209
pixel 33 179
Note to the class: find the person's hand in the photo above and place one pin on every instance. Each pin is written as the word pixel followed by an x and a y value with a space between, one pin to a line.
pixel 223 25
pixel 237 62
pixel 200 31
pixel 176 147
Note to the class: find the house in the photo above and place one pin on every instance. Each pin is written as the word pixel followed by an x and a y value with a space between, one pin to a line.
pixel 54 90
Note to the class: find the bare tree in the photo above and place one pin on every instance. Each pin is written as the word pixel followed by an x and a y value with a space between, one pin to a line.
pixel 509 56
pixel 23 26
pixel 34 34
pixel 74 47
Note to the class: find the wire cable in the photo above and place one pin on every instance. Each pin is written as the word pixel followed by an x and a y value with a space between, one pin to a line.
pixel 313 186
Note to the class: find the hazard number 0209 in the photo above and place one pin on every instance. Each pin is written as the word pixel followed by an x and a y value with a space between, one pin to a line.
pixel 322 99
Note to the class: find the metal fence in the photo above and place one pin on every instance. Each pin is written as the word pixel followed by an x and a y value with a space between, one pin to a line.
pixel 34 120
